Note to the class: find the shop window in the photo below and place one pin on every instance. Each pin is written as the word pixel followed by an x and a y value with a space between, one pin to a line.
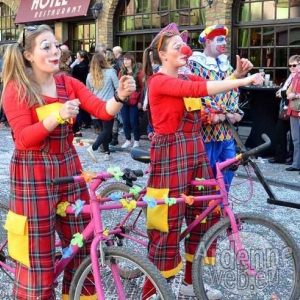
pixel 244 12
pixel 281 37
pixel 267 44
pixel 164 5
pixel 281 57
pixel 282 12
pixel 8 30
pixel 256 11
pixel 142 6
pixel 294 37
pixel 142 19
pixel 255 37
pixel 269 10
pixel 253 10
pixel 183 4
pixel 84 37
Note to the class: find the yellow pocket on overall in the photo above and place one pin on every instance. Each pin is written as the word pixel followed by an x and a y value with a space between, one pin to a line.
pixel 18 241
pixel 157 217
pixel 192 104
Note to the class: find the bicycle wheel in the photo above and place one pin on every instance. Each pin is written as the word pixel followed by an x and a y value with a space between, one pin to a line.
pixel 132 286
pixel 6 278
pixel 270 249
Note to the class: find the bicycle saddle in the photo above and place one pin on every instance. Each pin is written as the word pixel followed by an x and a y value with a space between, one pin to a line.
pixel 140 155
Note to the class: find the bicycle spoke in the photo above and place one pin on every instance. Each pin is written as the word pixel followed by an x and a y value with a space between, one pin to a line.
pixel 272 253
pixel 132 286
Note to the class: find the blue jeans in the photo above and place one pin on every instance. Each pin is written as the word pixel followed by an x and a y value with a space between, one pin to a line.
pixel 219 152
pixel 295 131
pixel 130 116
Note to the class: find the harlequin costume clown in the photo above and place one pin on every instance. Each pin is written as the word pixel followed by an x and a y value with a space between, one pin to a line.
pixel 213 64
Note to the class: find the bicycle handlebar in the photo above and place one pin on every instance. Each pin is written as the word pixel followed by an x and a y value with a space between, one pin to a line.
pixel 138 173
pixel 128 175
pixel 265 145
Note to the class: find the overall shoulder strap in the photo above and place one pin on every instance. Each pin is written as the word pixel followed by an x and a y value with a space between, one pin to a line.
pixel 61 89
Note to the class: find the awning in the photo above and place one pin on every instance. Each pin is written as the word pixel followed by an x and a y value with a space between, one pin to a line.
pixel 42 10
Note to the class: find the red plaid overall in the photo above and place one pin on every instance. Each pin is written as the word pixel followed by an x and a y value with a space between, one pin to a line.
pixel 33 195
pixel 176 159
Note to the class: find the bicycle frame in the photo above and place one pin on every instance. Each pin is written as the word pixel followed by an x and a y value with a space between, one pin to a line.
pixel 220 198
pixel 95 228
pixel 101 236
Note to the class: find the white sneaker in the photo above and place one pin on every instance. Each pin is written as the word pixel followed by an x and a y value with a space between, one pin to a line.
pixel 90 152
pixel 188 290
pixel 106 156
pixel 126 144
pixel 212 294
pixel 136 144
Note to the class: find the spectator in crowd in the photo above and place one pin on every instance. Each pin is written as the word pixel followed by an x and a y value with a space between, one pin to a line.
pixel 3 120
pixel 100 48
pixel 42 136
pixel 80 72
pixel 178 155
pixel 117 51
pixel 64 47
pixel 110 58
pixel 81 69
pixel 130 113
pixel 213 64
pixel 115 131
pixel 64 63
pixel 293 95
pixel 154 62
pixel 102 81
pixel 283 126
pixel 97 124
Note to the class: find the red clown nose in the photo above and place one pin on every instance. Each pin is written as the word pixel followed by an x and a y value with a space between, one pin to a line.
pixel 186 50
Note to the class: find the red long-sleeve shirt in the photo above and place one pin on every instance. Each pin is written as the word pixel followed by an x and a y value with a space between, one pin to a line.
pixel 166 99
pixel 28 132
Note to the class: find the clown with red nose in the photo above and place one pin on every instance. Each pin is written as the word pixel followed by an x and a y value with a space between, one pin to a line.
pixel 178 155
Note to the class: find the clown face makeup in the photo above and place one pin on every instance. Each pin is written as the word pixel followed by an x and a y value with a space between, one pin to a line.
pixel 218 45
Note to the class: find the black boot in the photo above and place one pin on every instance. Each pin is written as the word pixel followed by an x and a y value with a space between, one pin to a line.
pixel 114 141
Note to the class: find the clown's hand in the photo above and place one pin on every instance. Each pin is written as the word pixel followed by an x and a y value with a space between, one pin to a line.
pixel 255 79
pixel 231 117
pixel 243 66
pixel 237 117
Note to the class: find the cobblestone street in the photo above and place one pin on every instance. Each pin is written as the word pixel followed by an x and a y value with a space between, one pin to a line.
pixel 285 185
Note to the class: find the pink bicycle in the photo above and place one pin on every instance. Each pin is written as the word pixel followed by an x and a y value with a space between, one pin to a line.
pixel 254 256
pixel 110 271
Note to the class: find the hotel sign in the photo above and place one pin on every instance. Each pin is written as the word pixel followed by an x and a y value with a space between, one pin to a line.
pixel 43 10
